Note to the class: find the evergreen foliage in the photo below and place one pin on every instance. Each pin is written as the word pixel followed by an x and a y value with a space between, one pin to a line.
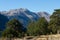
pixel 38 28
pixel 54 24
pixel 14 29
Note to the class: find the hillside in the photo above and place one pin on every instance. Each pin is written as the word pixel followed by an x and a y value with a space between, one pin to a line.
pixel 23 15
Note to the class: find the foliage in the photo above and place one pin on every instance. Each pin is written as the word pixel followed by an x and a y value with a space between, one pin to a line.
pixel 37 28
pixel 54 24
pixel 14 29
pixel 42 24
pixel 31 29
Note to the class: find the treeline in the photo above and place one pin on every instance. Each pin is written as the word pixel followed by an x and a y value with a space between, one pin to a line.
pixel 35 28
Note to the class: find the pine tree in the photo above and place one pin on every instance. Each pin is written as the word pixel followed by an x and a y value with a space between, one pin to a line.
pixel 54 24
pixel 43 25
pixel 38 28
pixel 14 29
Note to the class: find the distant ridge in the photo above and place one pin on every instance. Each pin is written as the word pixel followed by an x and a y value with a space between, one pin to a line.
pixel 23 15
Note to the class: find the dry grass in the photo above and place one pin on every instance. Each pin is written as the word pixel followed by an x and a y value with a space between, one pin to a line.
pixel 42 37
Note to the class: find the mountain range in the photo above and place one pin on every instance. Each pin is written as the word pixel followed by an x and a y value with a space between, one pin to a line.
pixel 23 15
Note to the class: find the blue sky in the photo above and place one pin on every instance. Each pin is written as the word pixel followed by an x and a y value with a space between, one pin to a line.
pixel 32 5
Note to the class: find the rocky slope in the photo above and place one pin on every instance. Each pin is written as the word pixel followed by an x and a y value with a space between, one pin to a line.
pixel 23 15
